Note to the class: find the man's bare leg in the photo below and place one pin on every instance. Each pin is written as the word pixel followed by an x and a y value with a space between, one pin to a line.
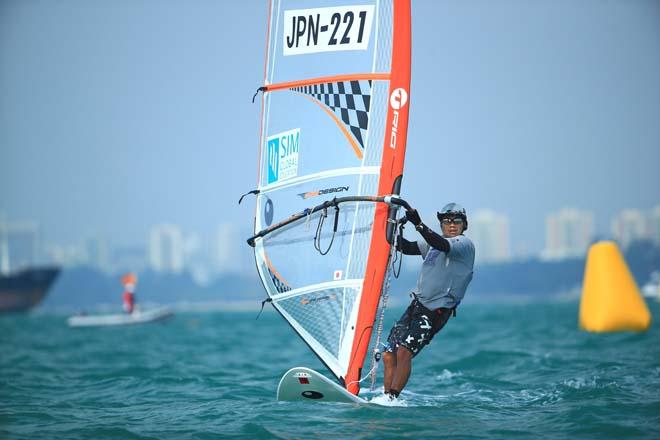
pixel 402 370
pixel 389 363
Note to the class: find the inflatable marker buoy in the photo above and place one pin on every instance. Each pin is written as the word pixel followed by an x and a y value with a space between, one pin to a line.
pixel 611 301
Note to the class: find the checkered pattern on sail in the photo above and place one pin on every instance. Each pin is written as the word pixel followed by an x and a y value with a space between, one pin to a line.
pixel 279 284
pixel 349 100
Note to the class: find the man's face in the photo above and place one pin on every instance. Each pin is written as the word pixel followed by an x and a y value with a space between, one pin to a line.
pixel 452 226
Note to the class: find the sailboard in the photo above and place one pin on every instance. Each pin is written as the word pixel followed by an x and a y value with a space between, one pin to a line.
pixel 334 120
pixel 300 384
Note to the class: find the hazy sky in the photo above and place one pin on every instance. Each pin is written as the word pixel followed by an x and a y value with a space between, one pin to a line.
pixel 116 115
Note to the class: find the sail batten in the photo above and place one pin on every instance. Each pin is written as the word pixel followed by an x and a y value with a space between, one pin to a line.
pixel 322 175
pixel 333 132
pixel 376 76
pixel 317 287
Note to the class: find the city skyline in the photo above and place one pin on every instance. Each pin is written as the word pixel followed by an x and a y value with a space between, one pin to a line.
pixel 118 117
pixel 169 248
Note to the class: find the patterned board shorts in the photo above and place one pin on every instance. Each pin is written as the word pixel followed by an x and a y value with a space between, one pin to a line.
pixel 416 327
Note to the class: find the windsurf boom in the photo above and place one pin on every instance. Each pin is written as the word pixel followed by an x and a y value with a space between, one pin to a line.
pixel 333 131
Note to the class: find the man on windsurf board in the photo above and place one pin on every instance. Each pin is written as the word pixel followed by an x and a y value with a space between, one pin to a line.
pixel 446 272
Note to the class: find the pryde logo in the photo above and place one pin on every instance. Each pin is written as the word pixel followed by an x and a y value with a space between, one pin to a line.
pixel 320 192
pixel 306 301
pixel 398 99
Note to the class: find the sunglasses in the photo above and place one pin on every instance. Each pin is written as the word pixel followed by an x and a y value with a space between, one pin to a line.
pixel 456 221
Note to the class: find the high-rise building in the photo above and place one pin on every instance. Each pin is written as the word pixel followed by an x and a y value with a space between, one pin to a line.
pixel 490 233
pixel 196 258
pixel 224 253
pixel 97 254
pixel 4 246
pixel 629 225
pixel 19 245
pixel 166 248
pixel 66 255
pixel 129 259
pixel 654 225
pixel 568 234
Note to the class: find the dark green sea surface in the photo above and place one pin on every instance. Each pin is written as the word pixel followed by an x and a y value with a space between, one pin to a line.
pixel 498 370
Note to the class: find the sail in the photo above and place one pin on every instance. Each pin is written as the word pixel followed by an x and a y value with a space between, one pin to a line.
pixel 333 138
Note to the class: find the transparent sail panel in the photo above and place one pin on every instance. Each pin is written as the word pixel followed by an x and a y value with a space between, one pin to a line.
pixel 322 313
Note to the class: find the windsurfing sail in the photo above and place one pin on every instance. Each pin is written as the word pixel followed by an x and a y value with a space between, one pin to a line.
pixel 333 140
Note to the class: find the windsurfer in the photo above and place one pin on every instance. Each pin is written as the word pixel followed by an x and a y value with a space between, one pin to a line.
pixel 443 280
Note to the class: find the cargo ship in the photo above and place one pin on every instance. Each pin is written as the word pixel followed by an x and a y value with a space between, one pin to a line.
pixel 24 289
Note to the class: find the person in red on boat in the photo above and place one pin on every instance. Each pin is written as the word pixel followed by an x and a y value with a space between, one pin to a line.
pixel 129 282
pixel 129 301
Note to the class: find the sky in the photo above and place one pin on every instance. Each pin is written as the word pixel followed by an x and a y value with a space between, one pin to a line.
pixel 115 116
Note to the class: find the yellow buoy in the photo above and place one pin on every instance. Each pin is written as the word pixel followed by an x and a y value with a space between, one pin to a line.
pixel 611 301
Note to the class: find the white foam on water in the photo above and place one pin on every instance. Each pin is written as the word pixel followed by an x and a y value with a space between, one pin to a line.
pixel 419 399
pixel 580 382
pixel 384 400
pixel 447 375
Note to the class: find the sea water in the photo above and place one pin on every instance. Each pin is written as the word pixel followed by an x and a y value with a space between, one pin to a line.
pixel 498 370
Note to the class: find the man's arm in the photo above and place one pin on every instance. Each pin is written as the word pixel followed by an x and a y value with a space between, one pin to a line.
pixel 431 237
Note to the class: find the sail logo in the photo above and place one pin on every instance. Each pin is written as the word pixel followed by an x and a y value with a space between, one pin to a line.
pixel 306 301
pixel 309 194
pixel 398 100
pixel 328 29
pixel 268 212
pixel 282 150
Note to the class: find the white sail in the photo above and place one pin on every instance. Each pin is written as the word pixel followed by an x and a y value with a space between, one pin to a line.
pixel 334 124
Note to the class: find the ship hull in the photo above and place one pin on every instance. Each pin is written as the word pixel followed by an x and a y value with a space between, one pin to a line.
pixel 23 290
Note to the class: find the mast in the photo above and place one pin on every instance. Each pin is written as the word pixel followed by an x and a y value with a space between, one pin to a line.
pixel 391 173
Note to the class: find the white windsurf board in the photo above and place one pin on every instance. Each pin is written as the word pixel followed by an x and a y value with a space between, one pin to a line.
pixel 301 384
